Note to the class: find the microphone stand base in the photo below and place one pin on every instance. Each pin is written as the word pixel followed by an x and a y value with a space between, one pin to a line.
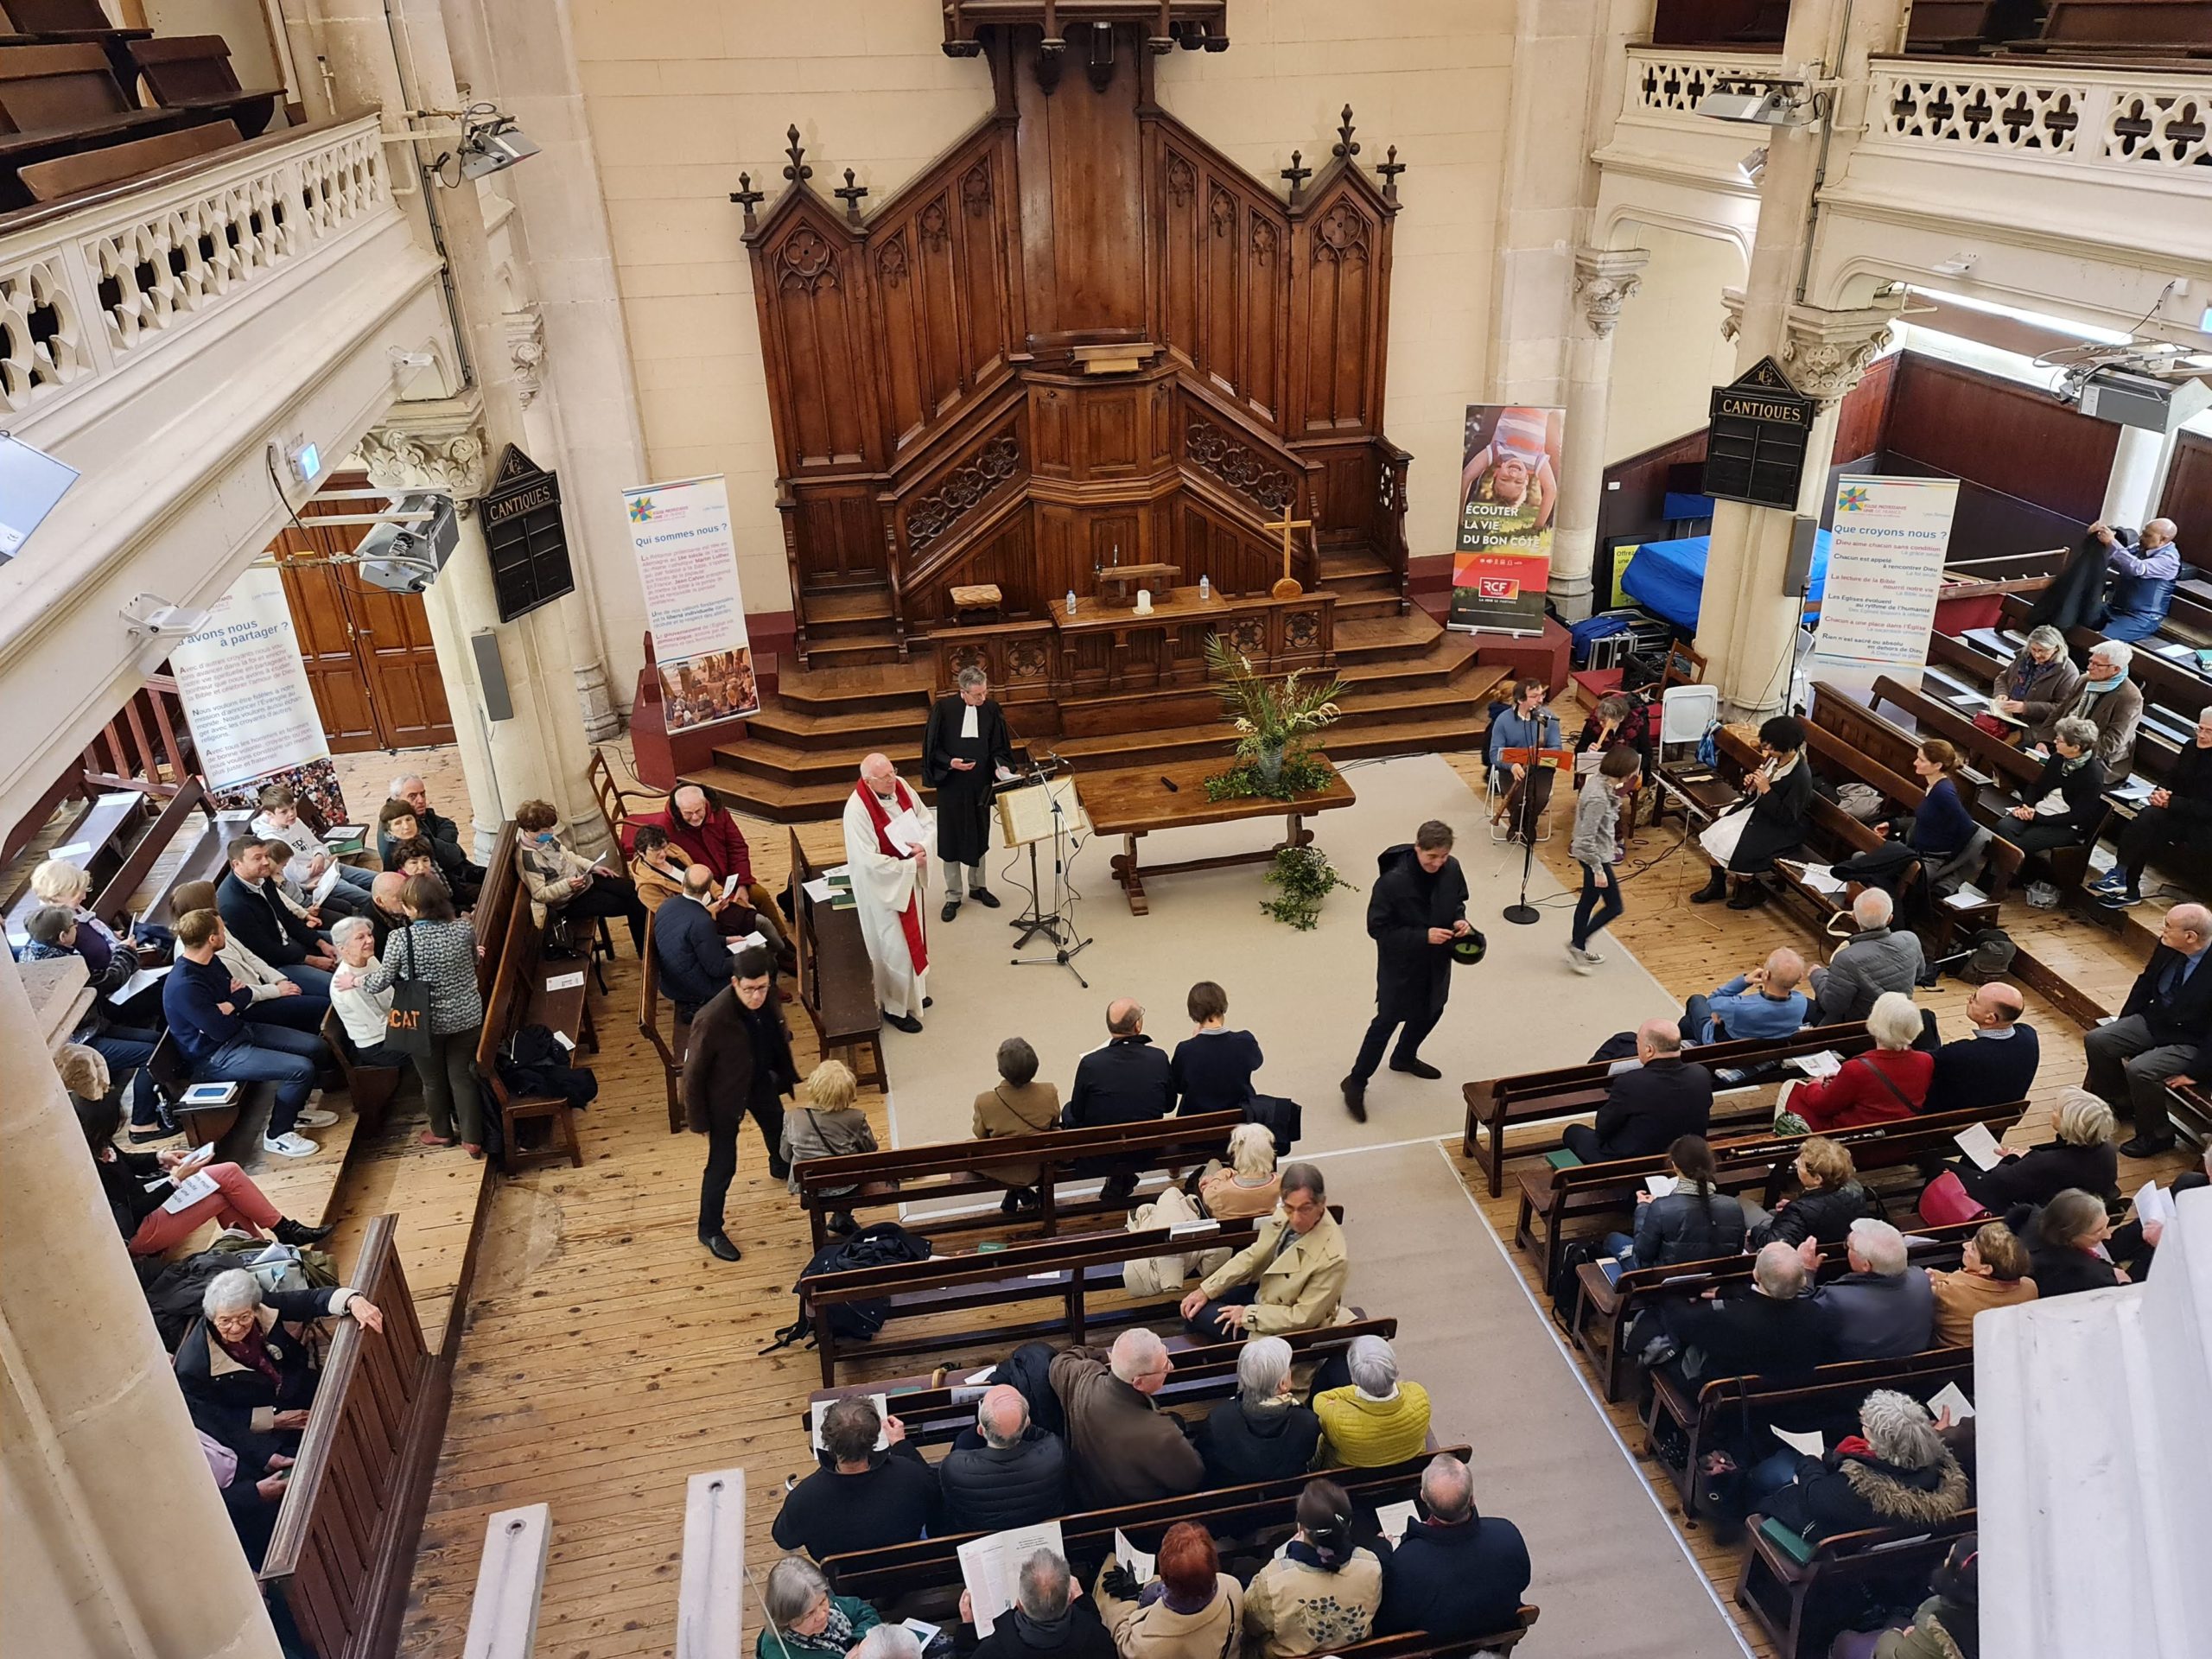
pixel 1522 915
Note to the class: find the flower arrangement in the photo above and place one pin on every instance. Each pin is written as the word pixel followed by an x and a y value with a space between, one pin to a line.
pixel 1271 719
pixel 1305 877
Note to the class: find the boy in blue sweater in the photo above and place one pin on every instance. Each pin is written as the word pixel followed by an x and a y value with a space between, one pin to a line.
pixel 206 1010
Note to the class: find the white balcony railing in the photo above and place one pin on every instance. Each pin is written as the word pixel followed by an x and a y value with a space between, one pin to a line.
pixel 1666 83
pixel 2117 117
pixel 86 293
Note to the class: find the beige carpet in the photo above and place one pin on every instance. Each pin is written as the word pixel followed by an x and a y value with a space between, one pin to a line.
pixel 1545 1456
pixel 1306 996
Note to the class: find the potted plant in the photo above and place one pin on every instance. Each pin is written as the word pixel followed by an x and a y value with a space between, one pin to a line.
pixel 1305 877
pixel 1274 720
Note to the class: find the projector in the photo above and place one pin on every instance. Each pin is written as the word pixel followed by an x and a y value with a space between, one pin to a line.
pixel 1757 106
pixel 493 147
pixel 406 558
pixel 2142 401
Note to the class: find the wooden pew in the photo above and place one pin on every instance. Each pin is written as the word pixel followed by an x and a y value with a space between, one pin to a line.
pixel 96 841
pixel 1785 1595
pixel 957 1169
pixel 191 74
pixel 204 860
pixel 1204 1373
pixel 1068 1269
pixel 495 902
pixel 56 100
pixel 522 995
pixel 200 1124
pixel 615 803
pixel 113 900
pixel 1831 835
pixel 371 1087
pixel 837 983
pixel 344 1542
pixel 1553 1198
pixel 1496 1105
pixel 94 170
pixel 2151 28
pixel 669 1050
pixel 1967 25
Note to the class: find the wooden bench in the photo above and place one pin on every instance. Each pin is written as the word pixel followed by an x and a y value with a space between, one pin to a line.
pixel 1789 1597
pixel 1069 1271
pixel 75 22
pixel 837 981
pixel 371 1087
pixel 1831 835
pixel 614 800
pixel 2154 28
pixel 202 1124
pixel 1205 1373
pixel 495 903
pixel 1498 1105
pixel 96 841
pixel 94 170
pixel 669 1050
pixel 958 1169
pixel 58 100
pixel 191 74
pixel 522 995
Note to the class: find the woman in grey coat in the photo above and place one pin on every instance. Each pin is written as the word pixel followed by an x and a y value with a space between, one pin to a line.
pixel 1597 810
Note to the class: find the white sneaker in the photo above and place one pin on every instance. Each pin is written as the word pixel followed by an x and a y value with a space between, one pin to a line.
pixel 315 1118
pixel 1577 960
pixel 1592 957
pixel 289 1144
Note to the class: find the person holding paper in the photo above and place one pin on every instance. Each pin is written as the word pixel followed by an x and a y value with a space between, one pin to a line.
pixel 2036 686
pixel 1455 1572
pixel 1006 1471
pixel 2066 1243
pixel 1051 1618
pixel 275 998
pixel 566 881
pixel 2065 804
pixel 705 832
pixel 437 948
pixel 2108 700
pixel 1994 1064
pixel 2134 1245
pixel 739 1065
pixel 1883 1085
pixel 310 862
pixel 2177 812
pixel 57 882
pixel 1993 1272
pixel 1193 1610
pixel 2082 1153
pixel 1762 1004
pixel 861 1497
pixel 1689 1222
pixel 804 1616
pixel 658 865
pixel 890 885
pixel 1320 1592
pixel 966 750
pixel 688 946
pixel 1895 1472
pixel 54 932
pixel 2162 1038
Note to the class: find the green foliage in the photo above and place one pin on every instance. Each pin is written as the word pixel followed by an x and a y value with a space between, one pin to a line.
pixel 1298 773
pixel 1305 877
pixel 1271 718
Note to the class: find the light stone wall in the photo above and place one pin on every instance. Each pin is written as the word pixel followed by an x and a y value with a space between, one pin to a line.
pixel 1668 352
pixel 681 94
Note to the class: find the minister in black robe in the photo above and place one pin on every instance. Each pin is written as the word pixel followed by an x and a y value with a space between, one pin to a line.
pixel 966 745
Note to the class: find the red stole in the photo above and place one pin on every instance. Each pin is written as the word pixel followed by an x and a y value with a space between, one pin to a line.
pixel 910 919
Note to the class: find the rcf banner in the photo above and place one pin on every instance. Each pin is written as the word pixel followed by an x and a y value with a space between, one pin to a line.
pixel 1508 496
pixel 687 561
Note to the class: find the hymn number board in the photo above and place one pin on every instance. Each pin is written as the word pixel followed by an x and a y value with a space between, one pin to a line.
pixel 523 529
pixel 1755 446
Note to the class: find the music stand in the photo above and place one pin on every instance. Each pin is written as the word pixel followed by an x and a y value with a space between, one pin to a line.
pixel 1526 814
pixel 1032 808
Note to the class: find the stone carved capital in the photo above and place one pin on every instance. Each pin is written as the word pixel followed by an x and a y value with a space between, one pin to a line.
pixel 435 445
pixel 525 333
pixel 1825 353
pixel 1731 313
pixel 1605 279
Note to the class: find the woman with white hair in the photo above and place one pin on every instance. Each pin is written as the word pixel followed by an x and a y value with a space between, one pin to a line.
pixel 245 1354
pixel 1887 1083
pixel 2082 1155
pixel 1895 1472
pixel 1379 1419
pixel 2108 700
pixel 2036 686
pixel 1263 1434
pixel 2064 807
pixel 1250 1185
pixel 805 1616
pixel 364 1013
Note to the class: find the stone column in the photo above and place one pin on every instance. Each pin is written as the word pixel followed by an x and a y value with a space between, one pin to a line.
pixel 2139 465
pixel 1604 280
pixel 113 1540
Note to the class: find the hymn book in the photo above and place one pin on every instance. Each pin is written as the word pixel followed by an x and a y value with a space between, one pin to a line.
pixel 990 1567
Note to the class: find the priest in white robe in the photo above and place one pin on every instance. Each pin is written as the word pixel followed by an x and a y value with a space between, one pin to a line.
pixel 890 887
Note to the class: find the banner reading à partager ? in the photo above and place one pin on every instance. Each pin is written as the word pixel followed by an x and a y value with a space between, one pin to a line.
pixel 687 561
pixel 246 697
pixel 1509 500
pixel 1885 568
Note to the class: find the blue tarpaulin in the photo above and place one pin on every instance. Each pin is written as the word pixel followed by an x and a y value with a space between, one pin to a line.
pixel 1667 578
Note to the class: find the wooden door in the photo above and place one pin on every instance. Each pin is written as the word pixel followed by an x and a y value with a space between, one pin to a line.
pixel 368 653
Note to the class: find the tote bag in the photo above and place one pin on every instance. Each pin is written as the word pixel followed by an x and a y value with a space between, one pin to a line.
pixel 407 1024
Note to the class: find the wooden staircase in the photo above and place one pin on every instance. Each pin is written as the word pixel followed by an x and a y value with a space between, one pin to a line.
pixel 1414 689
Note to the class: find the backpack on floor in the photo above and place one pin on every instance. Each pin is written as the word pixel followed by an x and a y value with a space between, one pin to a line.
pixel 1567 1278
pixel 879 1245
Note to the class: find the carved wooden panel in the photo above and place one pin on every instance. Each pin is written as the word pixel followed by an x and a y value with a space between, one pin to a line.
pixel 1222 289
pixel 815 305
pixel 1338 321
pixel 1002 555
pixel 836 532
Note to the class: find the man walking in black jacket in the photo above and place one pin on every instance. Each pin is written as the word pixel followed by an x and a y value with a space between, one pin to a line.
pixel 1418 908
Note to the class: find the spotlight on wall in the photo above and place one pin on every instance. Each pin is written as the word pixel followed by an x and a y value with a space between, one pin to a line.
pixel 492 144
pixel 1752 167
pixel 1761 102
pixel 1957 265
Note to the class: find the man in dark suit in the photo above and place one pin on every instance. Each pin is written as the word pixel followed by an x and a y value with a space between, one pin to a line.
pixel 1769 1329
pixel 2162 1038
pixel 252 908
pixel 1128 1081
pixel 693 957
pixel 1649 1106
pixel 965 749
pixel 1418 908
pixel 1993 1064
pixel 1454 1574
pixel 739 1064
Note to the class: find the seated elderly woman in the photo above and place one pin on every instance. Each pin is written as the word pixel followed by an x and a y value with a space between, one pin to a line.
pixel 564 881
pixel 2083 1156
pixel 1250 1185
pixel 151 1221
pixel 1895 1472
pixel 54 932
pixel 1263 1434
pixel 2066 1243
pixel 1192 1609
pixel 804 1616
pixel 1830 1197
pixel 1017 1104
pixel 1378 1421
pixel 1888 1083
pixel 244 1356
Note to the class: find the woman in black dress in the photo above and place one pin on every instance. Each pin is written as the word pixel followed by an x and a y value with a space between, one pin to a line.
pixel 1781 790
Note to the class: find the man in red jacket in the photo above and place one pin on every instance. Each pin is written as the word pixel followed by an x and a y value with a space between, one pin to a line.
pixel 706 834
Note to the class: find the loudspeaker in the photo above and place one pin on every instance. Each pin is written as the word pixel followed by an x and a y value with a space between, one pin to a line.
pixel 1797 575
pixel 492 674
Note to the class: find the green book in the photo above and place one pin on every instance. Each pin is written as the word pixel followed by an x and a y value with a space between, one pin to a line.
pixel 1800 1550
pixel 1563 1158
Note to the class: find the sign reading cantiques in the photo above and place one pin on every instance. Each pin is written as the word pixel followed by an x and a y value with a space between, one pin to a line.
pixel 687 561
pixel 1755 446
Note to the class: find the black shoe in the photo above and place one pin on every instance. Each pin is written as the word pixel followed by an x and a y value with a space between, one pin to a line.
pixel 294 1232
pixel 1751 896
pixel 1418 1068
pixel 1117 1188
pixel 901 1022
pixel 841 1224
pixel 1355 1099
pixel 2147 1146
pixel 1713 892
pixel 928 1001
pixel 984 897
pixel 951 909
pixel 1010 1204
pixel 778 1170
pixel 720 1248
pixel 140 1137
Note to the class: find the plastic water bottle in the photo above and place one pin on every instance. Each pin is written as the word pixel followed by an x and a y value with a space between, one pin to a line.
pixel 1205 588
pixel 1071 602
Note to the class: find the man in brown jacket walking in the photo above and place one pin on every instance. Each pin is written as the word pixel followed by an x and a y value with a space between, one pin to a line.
pixel 1123 1450
pixel 739 1062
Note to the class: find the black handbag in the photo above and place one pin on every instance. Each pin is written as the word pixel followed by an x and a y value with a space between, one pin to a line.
pixel 407 1024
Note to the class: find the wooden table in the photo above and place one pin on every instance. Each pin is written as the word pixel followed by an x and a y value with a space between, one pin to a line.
pixel 1135 801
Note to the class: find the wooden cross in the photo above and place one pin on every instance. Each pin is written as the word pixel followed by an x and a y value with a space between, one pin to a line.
pixel 1297 176
pixel 747 198
pixel 1287 587
pixel 1389 171
pixel 850 195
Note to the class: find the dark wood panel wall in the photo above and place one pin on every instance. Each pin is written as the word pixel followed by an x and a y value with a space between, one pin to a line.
pixel 2187 498
pixel 940 411
pixel 2000 435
